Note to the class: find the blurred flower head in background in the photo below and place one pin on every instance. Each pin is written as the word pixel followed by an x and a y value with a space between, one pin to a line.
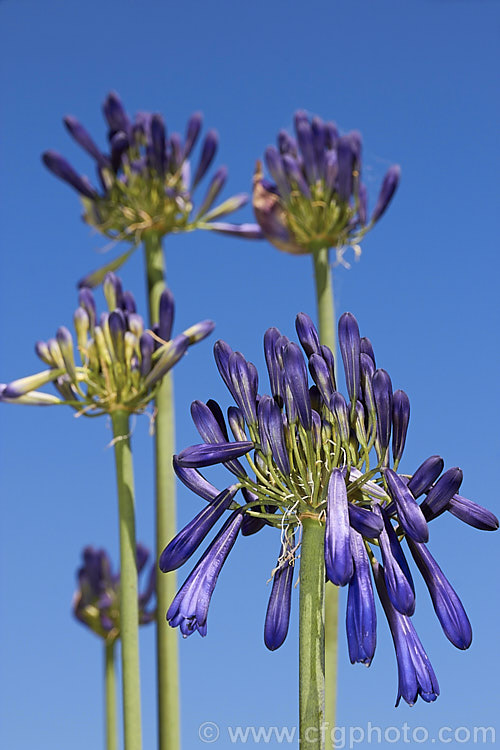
pixel 96 602
pixel 316 198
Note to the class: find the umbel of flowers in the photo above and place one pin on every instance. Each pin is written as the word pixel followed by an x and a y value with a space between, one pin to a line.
pixel 117 363
pixel 96 602
pixel 316 198
pixel 146 181
pixel 314 456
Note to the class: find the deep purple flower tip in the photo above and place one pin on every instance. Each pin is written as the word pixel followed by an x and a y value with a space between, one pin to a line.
pixel 338 556
pixel 397 574
pixel 361 616
pixel 82 137
pixel 382 394
pixel 389 185
pixel 365 521
pixel 447 605
pixel 194 481
pixel 410 515
pixel 425 476
pixel 208 152
pixel 350 348
pixel 441 493
pixel 193 129
pixel 296 378
pixel 189 539
pixel 307 333
pixel 367 348
pixel 62 169
pixel 416 676
pixel 208 455
pixel 346 159
pixel 400 420
pixel 320 373
pixel 115 114
pixel 166 315
pixel 472 513
pixel 278 609
pixel 189 609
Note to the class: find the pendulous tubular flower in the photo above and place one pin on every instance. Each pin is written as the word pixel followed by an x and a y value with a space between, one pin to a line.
pixel 315 198
pixel 147 180
pixel 305 451
pixel 121 363
pixel 96 602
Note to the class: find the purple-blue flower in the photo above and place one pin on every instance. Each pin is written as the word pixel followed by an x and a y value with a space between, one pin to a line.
pixel 121 363
pixel 315 198
pixel 303 452
pixel 144 181
pixel 96 602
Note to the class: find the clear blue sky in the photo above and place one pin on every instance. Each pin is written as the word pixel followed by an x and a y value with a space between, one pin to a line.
pixel 419 80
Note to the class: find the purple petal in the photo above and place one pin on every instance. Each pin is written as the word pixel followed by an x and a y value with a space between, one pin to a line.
pixel 361 617
pixel 365 521
pixel 410 515
pixel 208 151
pixel 62 169
pixel 248 231
pixel 425 476
pixel 350 348
pixel 278 609
pixel 307 333
pixel 397 574
pixel 338 556
pixel 415 673
pixel 194 481
pixel 389 185
pixel 296 378
pixel 472 513
pixel 441 493
pixel 447 605
pixel 187 541
pixel 382 394
pixel 193 129
pixel 82 137
pixel 166 315
pixel 400 419
pixel 208 455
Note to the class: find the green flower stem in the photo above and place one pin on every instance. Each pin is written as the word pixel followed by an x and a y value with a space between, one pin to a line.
pixel 166 638
pixel 129 610
pixel 110 696
pixel 311 635
pixel 325 301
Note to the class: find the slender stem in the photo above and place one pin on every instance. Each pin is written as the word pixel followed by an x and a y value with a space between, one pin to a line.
pixel 167 643
pixel 110 693
pixel 327 333
pixel 311 635
pixel 129 610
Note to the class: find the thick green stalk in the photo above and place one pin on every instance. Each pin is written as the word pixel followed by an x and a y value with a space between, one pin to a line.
pixel 110 696
pixel 167 643
pixel 311 635
pixel 129 610
pixel 325 301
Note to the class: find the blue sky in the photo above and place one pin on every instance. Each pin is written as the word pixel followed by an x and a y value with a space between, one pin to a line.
pixel 419 80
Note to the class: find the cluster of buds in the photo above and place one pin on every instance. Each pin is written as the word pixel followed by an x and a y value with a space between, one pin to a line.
pixel 316 199
pixel 96 603
pixel 121 363
pixel 145 180
pixel 313 454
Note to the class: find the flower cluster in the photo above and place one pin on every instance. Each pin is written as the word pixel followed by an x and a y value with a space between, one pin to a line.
pixel 97 601
pixel 317 198
pixel 121 363
pixel 313 454
pixel 145 180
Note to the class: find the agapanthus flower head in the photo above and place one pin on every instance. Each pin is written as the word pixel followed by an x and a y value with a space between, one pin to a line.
pixel 96 602
pixel 316 198
pixel 115 363
pixel 307 452
pixel 147 177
